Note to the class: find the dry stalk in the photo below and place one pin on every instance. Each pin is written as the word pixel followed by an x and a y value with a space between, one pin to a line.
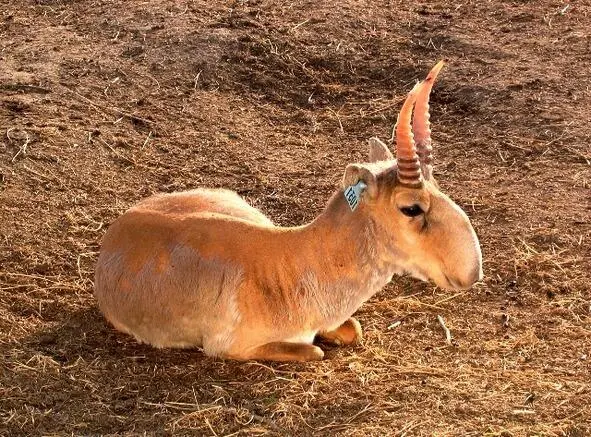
pixel 445 329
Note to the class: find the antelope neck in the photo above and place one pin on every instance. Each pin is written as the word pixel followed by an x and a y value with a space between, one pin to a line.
pixel 348 247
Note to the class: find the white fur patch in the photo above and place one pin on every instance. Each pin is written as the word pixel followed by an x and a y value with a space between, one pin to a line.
pixel 306 337
pixel 233 308
pixel 221 341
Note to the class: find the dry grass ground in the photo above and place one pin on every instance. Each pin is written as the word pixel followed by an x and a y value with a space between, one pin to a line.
pixel 105 102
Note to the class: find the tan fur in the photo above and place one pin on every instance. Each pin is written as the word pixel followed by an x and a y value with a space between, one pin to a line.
pixel 204 268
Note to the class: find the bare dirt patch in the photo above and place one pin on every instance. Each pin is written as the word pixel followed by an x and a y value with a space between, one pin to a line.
pixel 104 102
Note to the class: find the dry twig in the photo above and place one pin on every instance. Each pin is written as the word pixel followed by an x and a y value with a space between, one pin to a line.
pixel 445 329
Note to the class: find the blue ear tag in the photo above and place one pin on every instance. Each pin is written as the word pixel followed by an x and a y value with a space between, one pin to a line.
pixel 353 194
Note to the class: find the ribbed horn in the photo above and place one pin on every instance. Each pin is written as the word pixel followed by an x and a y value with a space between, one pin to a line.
pixel 409 169
pixel 421 125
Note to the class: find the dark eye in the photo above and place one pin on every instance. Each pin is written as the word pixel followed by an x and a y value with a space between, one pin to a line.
pixel 411 211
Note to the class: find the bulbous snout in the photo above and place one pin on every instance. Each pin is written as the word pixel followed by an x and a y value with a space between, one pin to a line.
pixel 458 249
pixel 466 267
pixel 446 250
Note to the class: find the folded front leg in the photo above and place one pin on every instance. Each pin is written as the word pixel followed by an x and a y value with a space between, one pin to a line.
pixel 348 333
pixel 284 351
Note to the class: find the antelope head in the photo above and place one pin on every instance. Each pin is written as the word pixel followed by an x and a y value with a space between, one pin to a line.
pixel 420 229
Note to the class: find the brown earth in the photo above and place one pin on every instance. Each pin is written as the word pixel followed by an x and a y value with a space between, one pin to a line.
pixel 104 102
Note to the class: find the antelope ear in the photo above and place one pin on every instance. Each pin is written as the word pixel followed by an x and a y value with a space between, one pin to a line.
pixel 378 151
pixel 355 173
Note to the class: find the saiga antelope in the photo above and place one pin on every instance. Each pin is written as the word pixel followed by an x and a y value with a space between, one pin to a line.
pixel 204 268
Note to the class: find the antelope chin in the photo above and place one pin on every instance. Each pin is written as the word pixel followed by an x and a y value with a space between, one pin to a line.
pixel 415 272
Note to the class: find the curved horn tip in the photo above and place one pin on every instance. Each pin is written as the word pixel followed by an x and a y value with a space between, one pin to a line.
pixel 435 71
